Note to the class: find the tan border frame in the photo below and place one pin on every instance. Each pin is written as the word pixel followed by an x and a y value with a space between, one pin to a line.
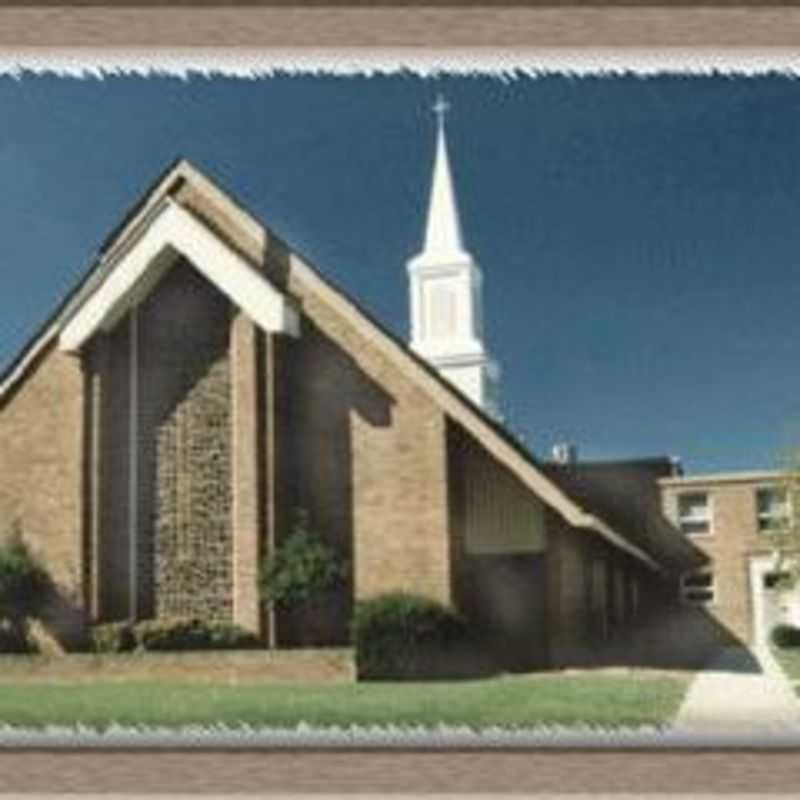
pixel 720 24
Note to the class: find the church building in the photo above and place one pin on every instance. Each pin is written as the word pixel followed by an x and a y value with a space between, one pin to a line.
pixel 203 382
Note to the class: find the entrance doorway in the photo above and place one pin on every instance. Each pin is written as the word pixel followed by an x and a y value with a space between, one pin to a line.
pixel 772 603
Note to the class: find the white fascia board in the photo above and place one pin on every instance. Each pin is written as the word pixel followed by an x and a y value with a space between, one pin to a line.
pixel 140 265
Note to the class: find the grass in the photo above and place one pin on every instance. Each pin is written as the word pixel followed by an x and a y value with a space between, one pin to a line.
pixel 598 700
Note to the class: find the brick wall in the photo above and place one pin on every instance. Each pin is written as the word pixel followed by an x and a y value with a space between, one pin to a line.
pixel 357 444
pixel 365 451
pixel 185 539
pixel 734 538
pixel 41 470
pixel 591 599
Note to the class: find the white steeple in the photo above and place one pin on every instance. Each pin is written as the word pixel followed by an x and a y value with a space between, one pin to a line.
pixel 443 231
pixel 446 302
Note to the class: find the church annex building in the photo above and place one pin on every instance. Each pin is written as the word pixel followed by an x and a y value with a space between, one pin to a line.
pixel 203 382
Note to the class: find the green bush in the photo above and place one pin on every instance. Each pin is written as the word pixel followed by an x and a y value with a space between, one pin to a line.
pixel 301 569
pixel 785 636
pixel 401 636
pixel 171 635
pixel 193 634
pixel 113 637
pixel 14 638
pixel 23 581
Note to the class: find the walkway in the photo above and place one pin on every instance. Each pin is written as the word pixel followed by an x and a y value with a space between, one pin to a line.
pixel 741 691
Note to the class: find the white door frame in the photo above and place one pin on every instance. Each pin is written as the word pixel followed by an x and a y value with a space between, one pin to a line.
pixel 759 567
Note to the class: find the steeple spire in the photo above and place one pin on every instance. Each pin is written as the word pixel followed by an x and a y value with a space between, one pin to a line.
pixel 445 292
pixel 443 231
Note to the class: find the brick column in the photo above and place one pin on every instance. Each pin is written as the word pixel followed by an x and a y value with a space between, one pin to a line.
pixel 246 475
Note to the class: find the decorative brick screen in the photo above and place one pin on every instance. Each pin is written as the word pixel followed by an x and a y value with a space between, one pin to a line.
pixel 185 548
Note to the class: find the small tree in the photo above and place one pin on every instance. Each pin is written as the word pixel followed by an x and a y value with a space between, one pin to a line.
pixel 23 581
pixel 302 567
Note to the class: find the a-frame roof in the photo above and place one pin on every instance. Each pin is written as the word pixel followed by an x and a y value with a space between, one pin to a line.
pixel 666 552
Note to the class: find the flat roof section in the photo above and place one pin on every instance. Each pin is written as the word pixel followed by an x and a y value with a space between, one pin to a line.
pixel 759 476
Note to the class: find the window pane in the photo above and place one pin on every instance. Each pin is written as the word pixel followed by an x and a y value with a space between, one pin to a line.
pixel 771 501
pixel 701 580
pixel 699 595
pixel 692 528
pixel 693 505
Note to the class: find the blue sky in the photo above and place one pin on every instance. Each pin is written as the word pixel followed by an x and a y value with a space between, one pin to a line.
pixel 639 238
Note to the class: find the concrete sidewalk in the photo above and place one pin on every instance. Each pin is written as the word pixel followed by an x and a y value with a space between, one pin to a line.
pixel 740 691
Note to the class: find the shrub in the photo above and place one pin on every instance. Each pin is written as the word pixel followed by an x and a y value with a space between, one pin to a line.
pixel 171 634
pixel 192 634
pixel 301 568
pixel 14 638
pixel 785 636
pixel 113 637
pixel 23 581
pixel 401 635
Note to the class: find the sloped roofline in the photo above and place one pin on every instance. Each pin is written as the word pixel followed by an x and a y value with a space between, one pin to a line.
pixel 496 439
pixel 173 230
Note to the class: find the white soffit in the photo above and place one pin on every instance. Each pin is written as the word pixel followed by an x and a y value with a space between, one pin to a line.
pixel 139 266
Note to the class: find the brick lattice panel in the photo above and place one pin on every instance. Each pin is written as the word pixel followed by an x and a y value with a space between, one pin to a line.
pixel 185 552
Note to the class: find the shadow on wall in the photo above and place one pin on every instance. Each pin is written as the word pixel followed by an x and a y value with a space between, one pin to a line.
pixel 502 595
pixel 63 620
pixel 675 637
pixel 321 390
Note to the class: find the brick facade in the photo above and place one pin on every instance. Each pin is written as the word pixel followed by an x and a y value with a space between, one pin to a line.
pixel 364 454
pixel 732 541
pixel 182 463
pixel 41 464
pixel 235 429
pixel 185 545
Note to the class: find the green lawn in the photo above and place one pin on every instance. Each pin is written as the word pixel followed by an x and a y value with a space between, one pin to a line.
pixel 599 700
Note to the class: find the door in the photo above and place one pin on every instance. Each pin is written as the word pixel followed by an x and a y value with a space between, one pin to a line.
pixel 771 603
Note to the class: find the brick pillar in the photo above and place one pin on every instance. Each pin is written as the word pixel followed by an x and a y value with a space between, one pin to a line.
pixel 246 475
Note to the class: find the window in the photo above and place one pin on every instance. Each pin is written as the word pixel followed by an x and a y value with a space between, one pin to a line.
pixel 772 508
pixel 697 588
pixel 442 309
pixel 694 514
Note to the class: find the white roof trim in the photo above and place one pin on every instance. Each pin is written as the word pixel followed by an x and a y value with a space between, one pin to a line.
pixel 753 476
pixel 144 260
